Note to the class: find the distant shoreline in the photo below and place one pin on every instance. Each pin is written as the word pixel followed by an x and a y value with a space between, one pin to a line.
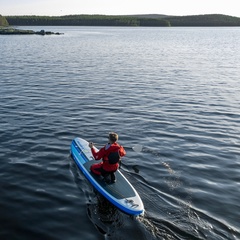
pixel 149 20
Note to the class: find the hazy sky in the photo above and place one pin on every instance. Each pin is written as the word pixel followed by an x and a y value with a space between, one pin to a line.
pixel 118 7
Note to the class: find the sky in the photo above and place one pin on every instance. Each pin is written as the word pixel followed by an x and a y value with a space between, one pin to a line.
pixel 119 7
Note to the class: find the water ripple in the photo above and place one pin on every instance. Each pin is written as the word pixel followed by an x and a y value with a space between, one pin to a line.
pixel 174 91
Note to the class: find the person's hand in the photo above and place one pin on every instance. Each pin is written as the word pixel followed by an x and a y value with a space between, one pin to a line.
pixel 90 145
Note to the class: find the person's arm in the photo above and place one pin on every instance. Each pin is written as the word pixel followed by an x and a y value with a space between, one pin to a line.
pixel 97 154
pixel 122 151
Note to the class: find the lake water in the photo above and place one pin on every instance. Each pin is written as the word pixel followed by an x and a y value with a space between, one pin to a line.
pixel 173 90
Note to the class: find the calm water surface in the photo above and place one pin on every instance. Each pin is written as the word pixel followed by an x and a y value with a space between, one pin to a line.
pixel 173 90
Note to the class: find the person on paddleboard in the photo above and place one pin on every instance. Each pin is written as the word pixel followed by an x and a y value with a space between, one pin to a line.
pixel 111 155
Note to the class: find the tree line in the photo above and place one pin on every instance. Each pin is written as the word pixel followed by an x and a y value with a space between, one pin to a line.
pixel 211 20
pixel 134 20
pixel 85 20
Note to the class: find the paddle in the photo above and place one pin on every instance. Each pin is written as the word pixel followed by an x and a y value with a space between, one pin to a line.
pixel 135 148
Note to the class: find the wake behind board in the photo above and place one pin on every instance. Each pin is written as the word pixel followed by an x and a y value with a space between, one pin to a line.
pixel 121 193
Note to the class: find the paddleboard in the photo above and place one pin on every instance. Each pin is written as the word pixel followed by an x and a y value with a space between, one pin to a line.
pixel 121 193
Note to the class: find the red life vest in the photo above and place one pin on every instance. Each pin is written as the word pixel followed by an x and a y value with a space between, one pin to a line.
pixel 110 154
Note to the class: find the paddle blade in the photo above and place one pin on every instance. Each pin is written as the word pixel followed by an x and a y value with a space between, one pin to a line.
pixel 137 148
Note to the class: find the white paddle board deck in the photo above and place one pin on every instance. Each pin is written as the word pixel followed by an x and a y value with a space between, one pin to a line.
pixel 121 193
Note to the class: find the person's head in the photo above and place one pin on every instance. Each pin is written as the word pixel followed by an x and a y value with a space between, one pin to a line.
pixel 113 137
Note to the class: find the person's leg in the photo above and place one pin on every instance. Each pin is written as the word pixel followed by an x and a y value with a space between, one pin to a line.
pixel 113 177
pixel 109 177
pixel 106 176
pixel 96 168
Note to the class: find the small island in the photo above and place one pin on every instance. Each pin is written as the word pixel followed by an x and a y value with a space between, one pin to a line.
pixel 14 31
pixel 5 29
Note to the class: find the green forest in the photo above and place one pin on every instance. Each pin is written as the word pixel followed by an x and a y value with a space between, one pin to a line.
pixel 3 21
pixel 85 20
pixel 204 20
pixel 131 20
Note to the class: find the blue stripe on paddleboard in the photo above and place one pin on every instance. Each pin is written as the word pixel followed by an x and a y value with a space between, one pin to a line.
pixel 80 152
pixel 108 196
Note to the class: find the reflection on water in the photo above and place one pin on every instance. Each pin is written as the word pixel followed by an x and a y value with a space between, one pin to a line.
pixel 174 91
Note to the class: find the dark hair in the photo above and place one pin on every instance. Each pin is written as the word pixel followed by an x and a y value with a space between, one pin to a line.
pixel 113 137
